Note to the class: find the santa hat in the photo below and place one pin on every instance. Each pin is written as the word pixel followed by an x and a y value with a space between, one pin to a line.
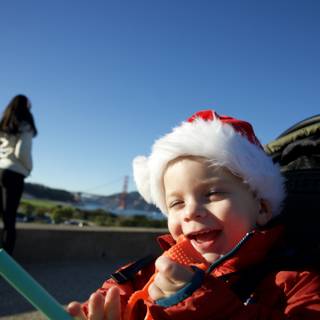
pixel 226 142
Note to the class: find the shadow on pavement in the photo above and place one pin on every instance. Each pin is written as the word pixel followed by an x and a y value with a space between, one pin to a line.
pixel 65 281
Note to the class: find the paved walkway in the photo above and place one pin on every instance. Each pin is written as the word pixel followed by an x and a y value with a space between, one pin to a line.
pixel 65 281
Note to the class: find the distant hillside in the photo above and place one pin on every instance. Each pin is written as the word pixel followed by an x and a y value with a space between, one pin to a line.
pixel 133 199
pixel 39 191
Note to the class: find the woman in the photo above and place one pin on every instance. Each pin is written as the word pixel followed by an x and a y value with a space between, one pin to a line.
pixel 17 128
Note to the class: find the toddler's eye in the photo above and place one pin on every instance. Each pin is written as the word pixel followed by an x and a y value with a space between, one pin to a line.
pixel 175 203
pixel 215 194
pixel 212 192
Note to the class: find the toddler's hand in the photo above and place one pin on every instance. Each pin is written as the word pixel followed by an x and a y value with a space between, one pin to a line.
pixel 100 308
pixel 171 277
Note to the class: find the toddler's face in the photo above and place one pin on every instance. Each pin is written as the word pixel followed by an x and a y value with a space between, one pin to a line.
pixel 210 206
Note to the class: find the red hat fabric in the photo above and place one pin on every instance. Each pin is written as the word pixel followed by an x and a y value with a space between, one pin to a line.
pixel 224 141
pixel 242 127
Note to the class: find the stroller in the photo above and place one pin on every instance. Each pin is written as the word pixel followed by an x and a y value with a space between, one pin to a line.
pixel 297 151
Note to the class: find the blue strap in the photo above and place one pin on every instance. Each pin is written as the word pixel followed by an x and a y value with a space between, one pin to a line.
pixel 184 292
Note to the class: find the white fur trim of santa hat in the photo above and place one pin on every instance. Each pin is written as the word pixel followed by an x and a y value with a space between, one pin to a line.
pixel 221 144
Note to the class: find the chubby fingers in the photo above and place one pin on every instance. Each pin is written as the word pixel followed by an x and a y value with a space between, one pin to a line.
pixel 112 305
pixel 170 278
pixel 173 271
pixel 75 310
pixel 99 307
pixel 96 307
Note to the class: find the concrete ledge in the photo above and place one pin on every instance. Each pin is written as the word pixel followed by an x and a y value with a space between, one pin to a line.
pixel 41 243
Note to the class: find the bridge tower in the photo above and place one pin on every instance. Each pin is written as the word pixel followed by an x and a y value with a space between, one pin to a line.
pixel 123 194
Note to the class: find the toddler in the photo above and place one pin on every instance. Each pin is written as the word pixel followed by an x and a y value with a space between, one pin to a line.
pixel 225 257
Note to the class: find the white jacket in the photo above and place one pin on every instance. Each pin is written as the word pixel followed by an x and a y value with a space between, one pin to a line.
pixel 15 150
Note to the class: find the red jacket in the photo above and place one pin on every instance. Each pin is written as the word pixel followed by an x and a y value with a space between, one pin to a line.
pixel 292 294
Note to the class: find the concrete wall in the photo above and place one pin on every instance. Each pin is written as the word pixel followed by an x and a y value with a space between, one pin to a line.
pixel 41 243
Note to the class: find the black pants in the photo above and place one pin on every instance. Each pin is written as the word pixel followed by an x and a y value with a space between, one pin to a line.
pixel 11 188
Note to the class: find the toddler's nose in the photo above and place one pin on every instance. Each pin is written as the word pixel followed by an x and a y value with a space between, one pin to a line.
pixel 194 210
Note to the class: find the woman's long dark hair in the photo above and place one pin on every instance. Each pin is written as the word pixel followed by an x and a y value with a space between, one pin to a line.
pixel 17 112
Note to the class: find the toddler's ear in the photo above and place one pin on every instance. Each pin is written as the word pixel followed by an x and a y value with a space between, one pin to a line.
pixel 265 213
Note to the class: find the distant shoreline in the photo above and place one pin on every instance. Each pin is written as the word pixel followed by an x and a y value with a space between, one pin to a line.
pixel 41 226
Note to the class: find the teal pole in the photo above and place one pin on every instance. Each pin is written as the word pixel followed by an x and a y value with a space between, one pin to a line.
pixel 31 289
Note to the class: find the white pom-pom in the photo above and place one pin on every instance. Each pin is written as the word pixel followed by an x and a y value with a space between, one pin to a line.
pixel 142 176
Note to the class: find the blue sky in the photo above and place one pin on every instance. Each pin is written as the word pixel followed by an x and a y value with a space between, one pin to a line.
pixel 106 78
